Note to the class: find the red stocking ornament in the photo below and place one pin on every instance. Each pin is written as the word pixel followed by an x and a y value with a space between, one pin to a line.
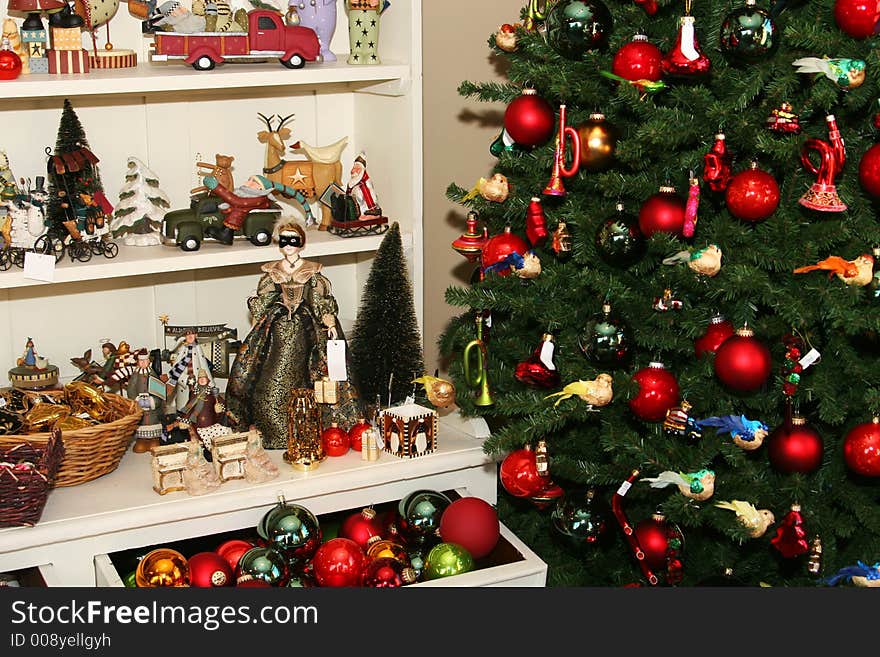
pixel 791 537
pixel 686 59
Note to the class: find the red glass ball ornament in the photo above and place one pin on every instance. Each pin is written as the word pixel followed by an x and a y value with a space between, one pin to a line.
pixel 232 550
pixel 857 18
pixel 339 562
pixel 529 119
pixel 658 392
pixel 335 440
pixel 387 573
pixel 253 584
pixel 861 448
pixel 209 569
pixel 500 246
pixel 10 65
pixel 797 448
pixel 355 434
pixel 653 537
pixel 662 213
pixel 638 60
pixel 869 171
pixel 752 195
pixel 471 523
pixel 717 332
pixel 519 473
pixel 742 362
pixel 361 527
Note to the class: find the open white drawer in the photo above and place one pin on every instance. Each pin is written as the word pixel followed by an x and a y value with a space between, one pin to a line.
pixel 512 563
pixel 36 576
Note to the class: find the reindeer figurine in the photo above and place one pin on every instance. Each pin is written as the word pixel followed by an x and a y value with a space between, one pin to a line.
pixel 311 176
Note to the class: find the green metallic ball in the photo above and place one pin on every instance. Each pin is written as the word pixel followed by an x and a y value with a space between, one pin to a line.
pixel 619 242
pixel 293 530
pixel 446 560
pixel 605 340
pixel 577 26
pixel 263 563
pixel 749 34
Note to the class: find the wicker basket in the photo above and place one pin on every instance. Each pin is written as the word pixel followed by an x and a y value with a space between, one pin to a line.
pixel 93 451
pixel 23 490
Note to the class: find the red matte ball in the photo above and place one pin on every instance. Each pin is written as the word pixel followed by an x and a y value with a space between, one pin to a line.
pixel 232 550
pixel 752 195
pixel 360 528
pixel 529 119
pixel 339 562
pixel 857 18
pixel 869 171
pixel 795 449
pixel 638 60
pixel 658 392
pixel 662 213
pixel 519 473
pixel 743 363
pixel 209 569
pixel 335 441
pixel 861 449
pixel 471 523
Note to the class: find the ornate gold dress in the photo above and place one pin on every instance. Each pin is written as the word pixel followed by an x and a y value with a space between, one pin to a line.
pixel 285 350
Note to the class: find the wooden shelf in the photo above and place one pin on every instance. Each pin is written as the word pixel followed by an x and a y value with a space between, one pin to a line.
pixel 138 261
pixel 149 78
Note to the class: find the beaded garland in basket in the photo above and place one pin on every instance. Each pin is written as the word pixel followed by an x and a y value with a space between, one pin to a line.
pixel 91 451
pixel 27 474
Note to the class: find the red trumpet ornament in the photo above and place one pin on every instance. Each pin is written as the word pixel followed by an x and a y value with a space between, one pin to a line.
pixel 554 186
pixel 822 195
pixel 686 59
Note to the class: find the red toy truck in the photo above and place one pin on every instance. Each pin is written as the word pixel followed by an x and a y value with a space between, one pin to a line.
pixel 267 36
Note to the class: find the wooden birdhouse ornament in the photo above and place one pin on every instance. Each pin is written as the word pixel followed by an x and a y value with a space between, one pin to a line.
pixel 409 430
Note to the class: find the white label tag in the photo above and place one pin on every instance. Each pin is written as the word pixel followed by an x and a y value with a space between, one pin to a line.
pixel 687 41
pixel 488 320
pixel 624 488
pixel 812 356
pixel 336 360
pixel 547 354
pixel 39 266
pixel 409 400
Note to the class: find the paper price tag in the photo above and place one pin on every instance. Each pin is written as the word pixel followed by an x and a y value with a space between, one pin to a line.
pixel 812 356
pixel 39 266
pixel 624 488
pixel 336 360
pixel 547 354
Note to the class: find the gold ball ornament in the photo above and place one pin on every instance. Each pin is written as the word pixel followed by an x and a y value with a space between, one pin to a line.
pixel 162 567
pixel 598 143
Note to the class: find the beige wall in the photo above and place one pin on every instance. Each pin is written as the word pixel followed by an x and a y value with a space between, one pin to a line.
pixel 457 134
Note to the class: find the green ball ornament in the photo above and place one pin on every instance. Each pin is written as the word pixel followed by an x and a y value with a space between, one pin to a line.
pixel 605 340
pixel 446 560
pixel 420 514
pixel 267 564
pixel 619 242
pixel 293 530
pixel 581 519
pixel 577 26
pixel 749 33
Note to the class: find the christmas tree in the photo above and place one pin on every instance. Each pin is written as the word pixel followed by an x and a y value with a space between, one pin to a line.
pixel 386 346
pixel 719 282
pixel 142 206
pixel 78 175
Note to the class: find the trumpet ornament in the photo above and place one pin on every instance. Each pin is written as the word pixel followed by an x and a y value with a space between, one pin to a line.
pixel 476 367
pixel 554 186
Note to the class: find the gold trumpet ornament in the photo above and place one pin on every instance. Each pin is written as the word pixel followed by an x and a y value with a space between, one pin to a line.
pixel 477 375
pixel 554 186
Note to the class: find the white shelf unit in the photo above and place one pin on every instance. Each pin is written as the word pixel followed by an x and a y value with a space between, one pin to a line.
pixel 170 116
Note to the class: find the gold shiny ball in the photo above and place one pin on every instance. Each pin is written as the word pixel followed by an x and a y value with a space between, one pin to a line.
pixel 441 393
pixel 598 143
pixel 162 567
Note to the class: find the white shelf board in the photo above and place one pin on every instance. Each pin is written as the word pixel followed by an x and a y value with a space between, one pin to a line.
pixel 149 78
pixel 141 260
pixel 125 498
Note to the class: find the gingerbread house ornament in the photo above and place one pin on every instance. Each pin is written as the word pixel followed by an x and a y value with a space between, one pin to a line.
pixel 409 430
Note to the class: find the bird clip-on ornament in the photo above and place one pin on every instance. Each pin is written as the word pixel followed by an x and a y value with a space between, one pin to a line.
pixel 858 272
pixel 706 261
pixel 756 521
pixel 698 486
pixel 845 73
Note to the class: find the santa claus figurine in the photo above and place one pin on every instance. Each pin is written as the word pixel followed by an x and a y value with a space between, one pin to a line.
pixel 360 188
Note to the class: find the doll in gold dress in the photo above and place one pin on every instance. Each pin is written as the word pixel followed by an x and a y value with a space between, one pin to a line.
pixel 294 315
